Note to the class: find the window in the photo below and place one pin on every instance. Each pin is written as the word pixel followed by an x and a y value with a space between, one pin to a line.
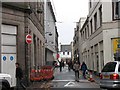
pixel 65 50
pixel 88 30
pixel 119 68
pixel 90 4
pixel 91 26
pixel 81 36
pixel 95 21
pixel 77 28
pixel 100 15
pixel 85 34
pixel 109 67
pixel 116 10
pixel 77 39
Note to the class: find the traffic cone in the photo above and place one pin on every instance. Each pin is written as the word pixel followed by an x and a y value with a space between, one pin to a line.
pixel 91 78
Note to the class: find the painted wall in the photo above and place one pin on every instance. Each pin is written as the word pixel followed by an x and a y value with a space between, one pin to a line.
pixel 108 35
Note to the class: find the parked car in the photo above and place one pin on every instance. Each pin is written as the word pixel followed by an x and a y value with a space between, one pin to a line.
pixel 5 81
pixel 110 75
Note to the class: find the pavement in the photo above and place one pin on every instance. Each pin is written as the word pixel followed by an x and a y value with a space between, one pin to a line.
pixel 47 84
pixel 39 85
pixel 95 77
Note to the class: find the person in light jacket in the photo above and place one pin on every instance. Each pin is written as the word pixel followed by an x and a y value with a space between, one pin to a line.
pixel 76 68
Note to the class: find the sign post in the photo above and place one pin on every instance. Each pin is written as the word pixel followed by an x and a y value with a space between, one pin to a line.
pixel 28 39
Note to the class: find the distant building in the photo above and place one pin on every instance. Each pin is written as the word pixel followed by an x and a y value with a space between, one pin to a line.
pixel 65 52
pixel 76 39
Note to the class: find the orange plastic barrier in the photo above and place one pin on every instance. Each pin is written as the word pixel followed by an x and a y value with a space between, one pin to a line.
pixel 45 73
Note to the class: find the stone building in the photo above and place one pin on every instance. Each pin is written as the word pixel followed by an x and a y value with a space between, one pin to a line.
pixel 17 21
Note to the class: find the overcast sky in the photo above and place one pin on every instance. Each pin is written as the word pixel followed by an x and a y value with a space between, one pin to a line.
pixel 68 12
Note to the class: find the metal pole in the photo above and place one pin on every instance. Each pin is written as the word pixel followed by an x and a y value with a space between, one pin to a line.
pixel 27 50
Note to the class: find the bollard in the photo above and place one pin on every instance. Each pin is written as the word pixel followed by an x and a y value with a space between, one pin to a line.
pixel 91 78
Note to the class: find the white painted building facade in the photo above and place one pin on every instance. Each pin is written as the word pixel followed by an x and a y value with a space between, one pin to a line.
pixel 99 34
pixel 65 52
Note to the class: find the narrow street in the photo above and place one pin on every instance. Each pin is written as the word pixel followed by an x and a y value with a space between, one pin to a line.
pixel 66 79
pixel 38 35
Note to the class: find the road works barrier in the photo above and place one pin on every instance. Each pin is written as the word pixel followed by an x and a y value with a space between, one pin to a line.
pixel 89 76
pixel 45 73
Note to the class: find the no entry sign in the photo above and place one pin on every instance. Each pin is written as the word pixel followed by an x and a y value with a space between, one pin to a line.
pixel 28 39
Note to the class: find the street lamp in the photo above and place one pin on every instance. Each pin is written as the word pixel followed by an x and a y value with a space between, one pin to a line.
pixel 77 55
pixel 51 42
pixel 31 10
pixel 49 33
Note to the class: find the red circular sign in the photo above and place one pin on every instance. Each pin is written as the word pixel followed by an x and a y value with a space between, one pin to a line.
pixel 29 39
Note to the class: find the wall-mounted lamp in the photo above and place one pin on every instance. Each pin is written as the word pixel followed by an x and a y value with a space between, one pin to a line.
pixel 50 34
pixel 77 55
pixel 31 10
pixel 39 11
pixel 49 42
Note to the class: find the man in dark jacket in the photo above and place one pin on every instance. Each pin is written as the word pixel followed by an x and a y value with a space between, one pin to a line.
pixel 19 76
pixel 60 66
pixel 84 68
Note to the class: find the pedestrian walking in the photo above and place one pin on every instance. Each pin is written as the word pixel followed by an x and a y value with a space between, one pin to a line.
pixel 69 65
pixel 84 68
pixel 63 64
pixel 19 77
pixel 60 66
pixel 76 68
